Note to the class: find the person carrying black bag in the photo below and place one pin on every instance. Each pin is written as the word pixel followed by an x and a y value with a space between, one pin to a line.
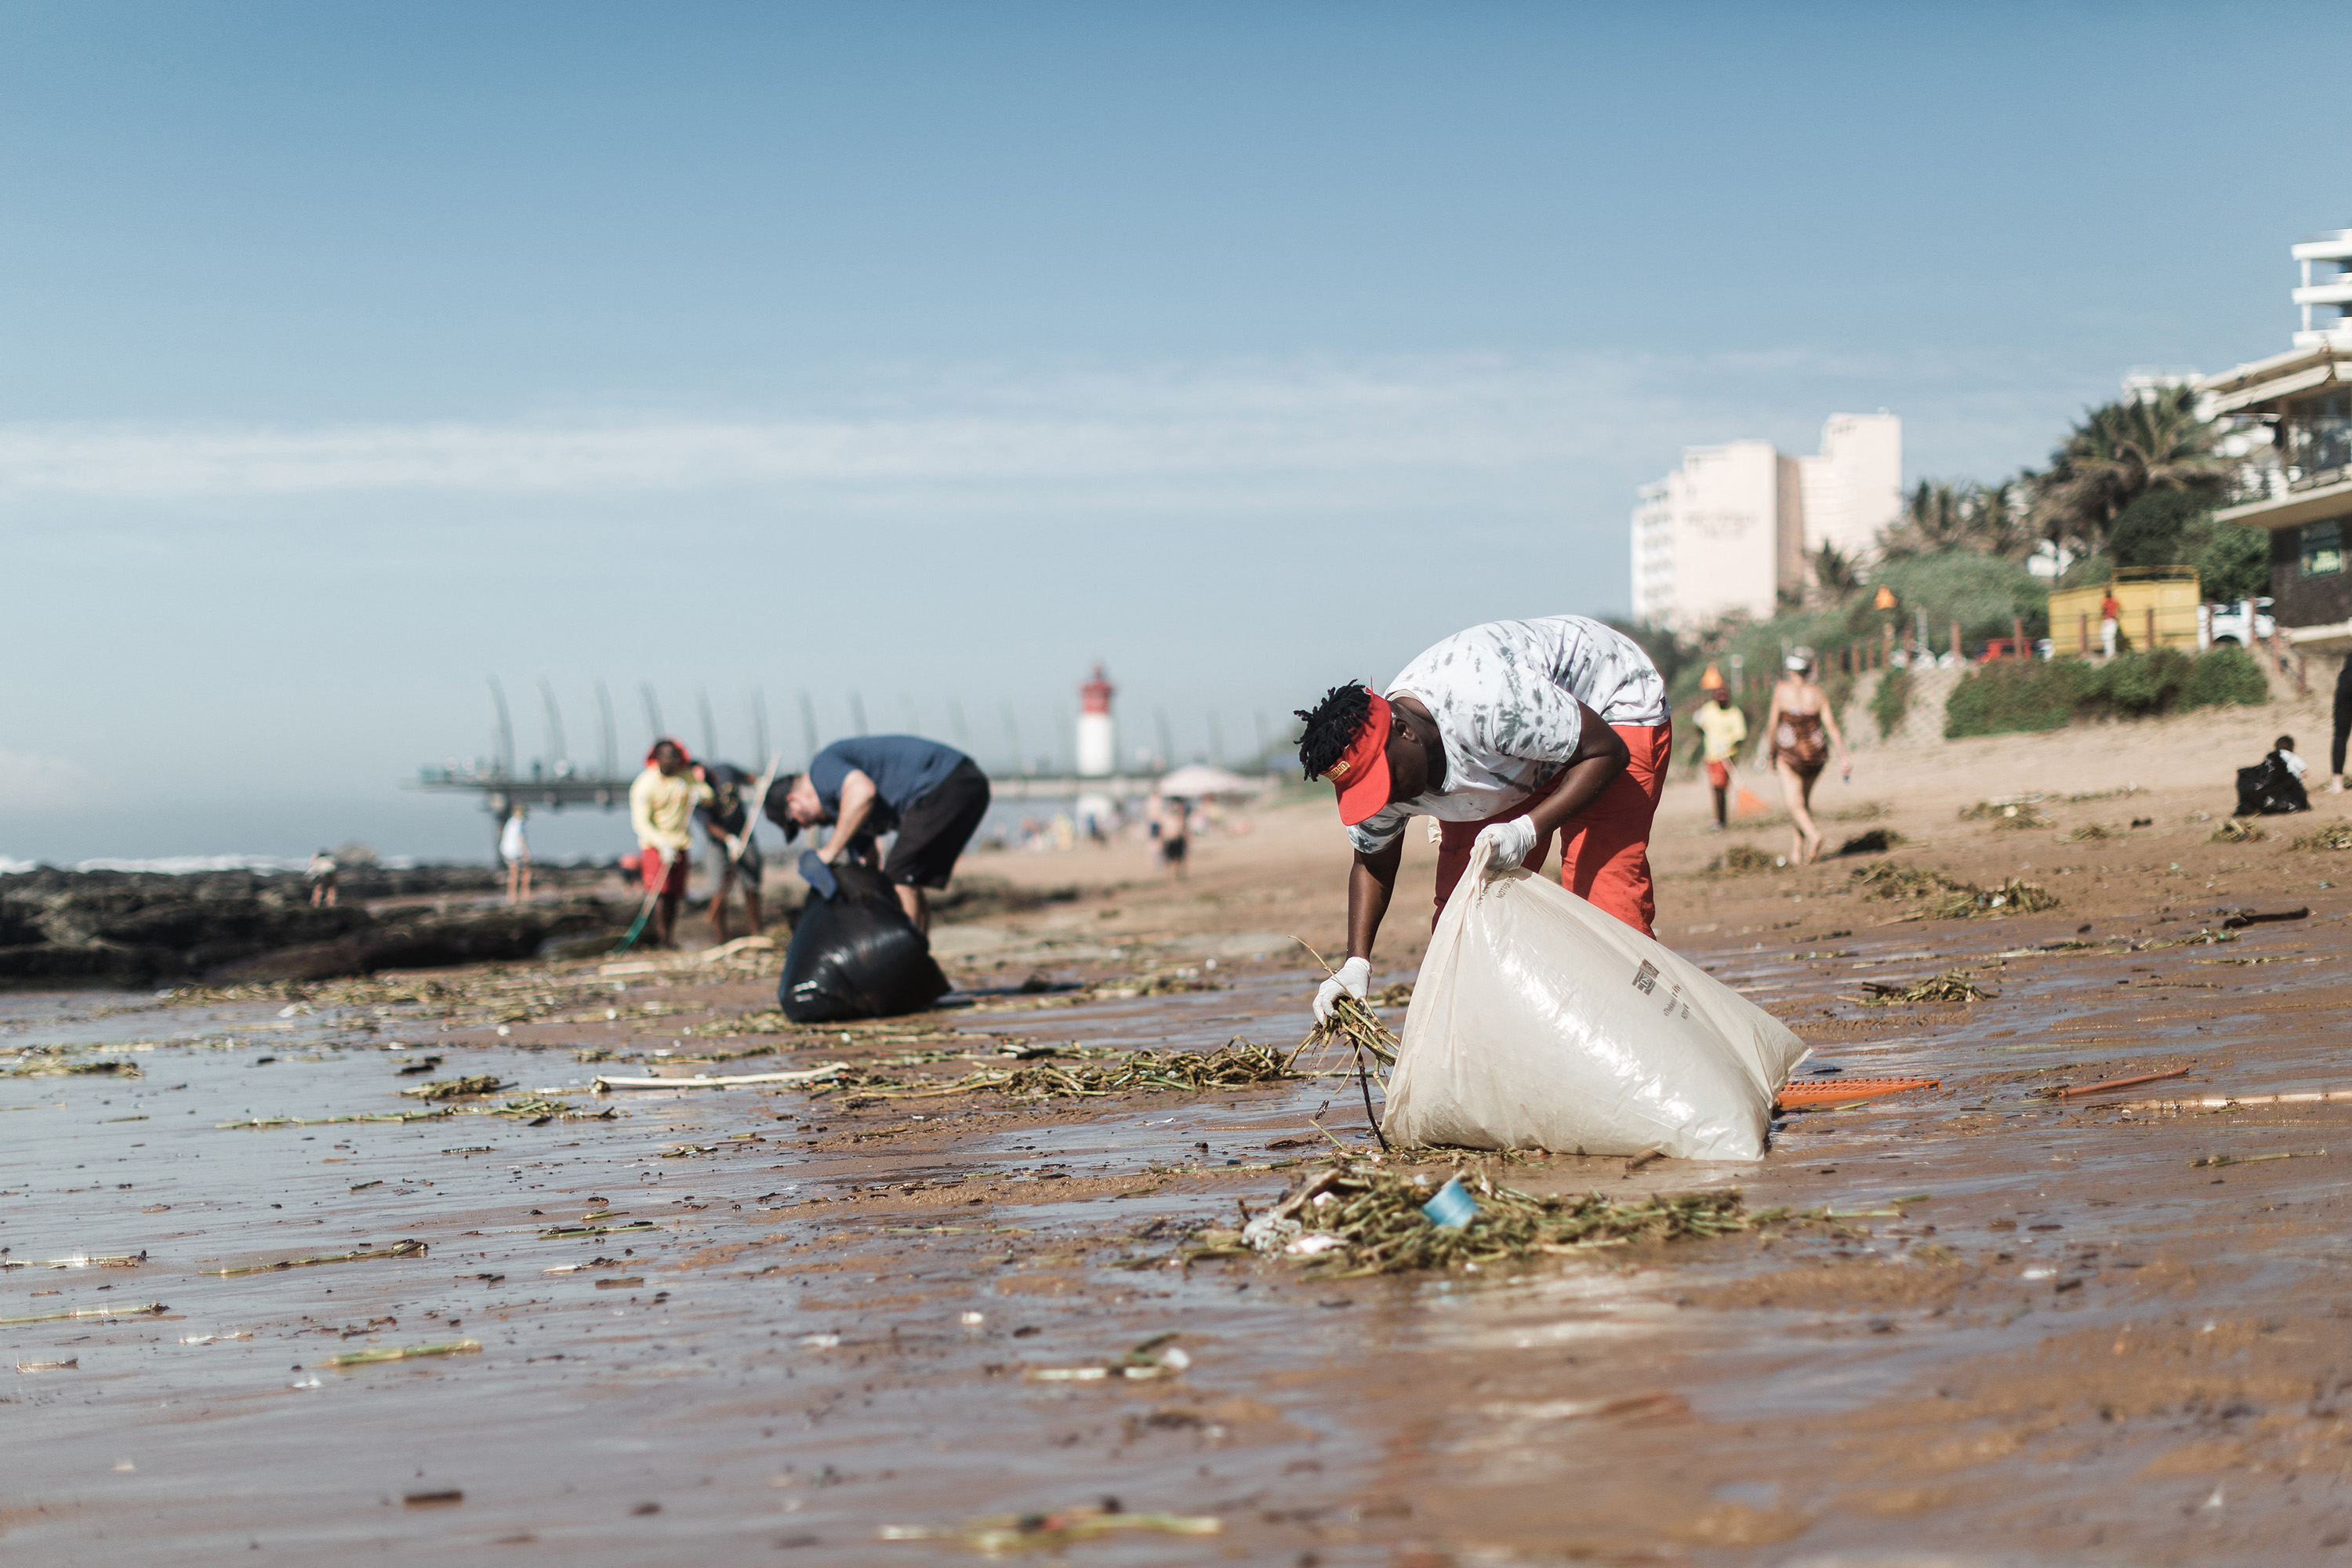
pixel 931 795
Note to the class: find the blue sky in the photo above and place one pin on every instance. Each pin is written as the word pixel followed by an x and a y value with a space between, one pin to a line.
pixel 930 351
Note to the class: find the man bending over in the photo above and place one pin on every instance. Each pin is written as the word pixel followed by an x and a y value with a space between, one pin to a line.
pixel 932 796
pixel 1506 733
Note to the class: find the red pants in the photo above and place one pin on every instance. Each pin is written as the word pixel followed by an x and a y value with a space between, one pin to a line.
pixel 663 871
pixel 1604 853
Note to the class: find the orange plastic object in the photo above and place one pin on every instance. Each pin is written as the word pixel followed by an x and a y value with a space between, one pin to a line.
pixel 1839 1090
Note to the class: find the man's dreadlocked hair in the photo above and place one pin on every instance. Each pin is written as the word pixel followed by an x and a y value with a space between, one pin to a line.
pixel 1332 726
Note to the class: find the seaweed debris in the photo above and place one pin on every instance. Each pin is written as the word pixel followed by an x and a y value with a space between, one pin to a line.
pixel 1946 897
pixel 2237 830
pixel 1739 860
pixel 42 1064
pixel 2091 833
pixel 1238 1063
pixel 1359 1217
pixel 2334 836
pixel 403 1352
pixel 1002 1534
pixel 456 1088
pixel 411 1249
pixel 1952 986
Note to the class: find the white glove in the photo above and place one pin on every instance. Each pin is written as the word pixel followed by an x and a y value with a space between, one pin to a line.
pixel 1354 979
pixel 1510 842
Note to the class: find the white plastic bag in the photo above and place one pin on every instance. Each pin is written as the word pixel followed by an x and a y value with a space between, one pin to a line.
pixel 1539 1022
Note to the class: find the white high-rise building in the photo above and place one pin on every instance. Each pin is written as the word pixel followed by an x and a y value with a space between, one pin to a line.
pixel 1736 525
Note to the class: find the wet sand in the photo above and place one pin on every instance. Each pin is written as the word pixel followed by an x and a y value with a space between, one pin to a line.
pixel 2079 1346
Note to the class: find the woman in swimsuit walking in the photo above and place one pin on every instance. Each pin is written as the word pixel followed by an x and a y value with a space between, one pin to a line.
pixel 1803 730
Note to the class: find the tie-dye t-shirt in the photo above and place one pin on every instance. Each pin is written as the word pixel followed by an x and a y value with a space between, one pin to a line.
pixel 1505 696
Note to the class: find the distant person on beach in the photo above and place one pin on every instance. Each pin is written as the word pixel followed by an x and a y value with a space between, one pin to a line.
pixel 515 850
pixel 1802 730
pixel 1722 729
pixel 1506 733
pixel 1171 824
pixel 2111 621
pixel 931 794
pixel 661 808
pixel 2343 730
pixel 2273 787
pixel 726 821
pixel 321 872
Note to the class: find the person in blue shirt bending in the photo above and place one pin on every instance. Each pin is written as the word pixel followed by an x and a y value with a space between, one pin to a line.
pixel 932 796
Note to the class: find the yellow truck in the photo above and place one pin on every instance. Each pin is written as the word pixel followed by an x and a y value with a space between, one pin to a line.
pixel 2159 610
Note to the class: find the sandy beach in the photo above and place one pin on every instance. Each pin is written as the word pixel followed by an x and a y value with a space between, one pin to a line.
pixel 843 1325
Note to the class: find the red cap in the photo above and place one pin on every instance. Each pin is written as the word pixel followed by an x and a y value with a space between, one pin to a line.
pixel 1361 773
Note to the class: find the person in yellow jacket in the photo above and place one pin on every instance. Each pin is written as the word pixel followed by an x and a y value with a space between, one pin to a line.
pixel 661 808
pixel 1721 727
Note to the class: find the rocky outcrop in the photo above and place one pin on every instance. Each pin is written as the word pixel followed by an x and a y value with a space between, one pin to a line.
pixel 142 928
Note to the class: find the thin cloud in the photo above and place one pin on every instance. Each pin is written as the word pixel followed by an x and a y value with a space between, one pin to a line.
pixel 1229 421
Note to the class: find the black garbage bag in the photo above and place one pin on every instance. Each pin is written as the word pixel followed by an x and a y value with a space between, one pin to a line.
pixel 2270 788
pixel 856 954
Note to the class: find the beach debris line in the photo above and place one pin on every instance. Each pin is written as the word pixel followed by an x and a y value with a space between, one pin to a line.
pixel 151 1310
pixel 1239 1063
pixel 996 1535
pixel 2209 1160
pixel 1952 986
pixel 400 1353
pixel 77 1261
pixel 605 1084
pixel 42 1064
pixel 409 1249
pixel 1358 1216
pixel 456 1088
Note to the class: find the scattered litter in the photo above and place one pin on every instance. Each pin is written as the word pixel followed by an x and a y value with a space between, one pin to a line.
pixel 1848 1090
pixel 2231 1102
pixel 1158 1357
pixel 2239 919
pixel 2244 1160
pixel 70 1364
pixel 1451 1209
pixel 997 1535
pixel 402 1352
pixel 563 1232
pixel 411 1249
pixel 2076 1091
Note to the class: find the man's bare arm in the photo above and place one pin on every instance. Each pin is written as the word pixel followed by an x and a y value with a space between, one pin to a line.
pixel 856 805
pixel 1371 881
pixel 1601 757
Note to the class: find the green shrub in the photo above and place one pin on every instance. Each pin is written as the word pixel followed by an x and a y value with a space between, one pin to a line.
pixel 2015 695
pixel 2227 675
pixel 2134 685
pixel 1891 702
pixel 2235 563
pixel 2021 696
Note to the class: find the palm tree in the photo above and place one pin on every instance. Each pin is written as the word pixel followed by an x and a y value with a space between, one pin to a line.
pixel 2118 453
pixel 1835 575
pixel 1940 517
